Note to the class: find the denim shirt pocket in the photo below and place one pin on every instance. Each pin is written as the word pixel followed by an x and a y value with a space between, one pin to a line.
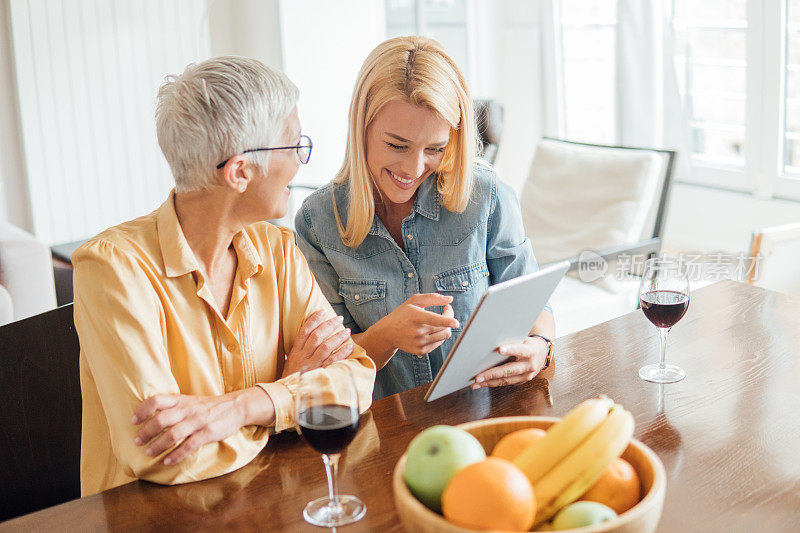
pixel 462 279
pixel 466 284
pixel 364 298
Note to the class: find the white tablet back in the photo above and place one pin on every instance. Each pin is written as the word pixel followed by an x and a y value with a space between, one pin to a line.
pixel 506 313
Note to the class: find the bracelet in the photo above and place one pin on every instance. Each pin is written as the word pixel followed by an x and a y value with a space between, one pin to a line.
pixel 549 342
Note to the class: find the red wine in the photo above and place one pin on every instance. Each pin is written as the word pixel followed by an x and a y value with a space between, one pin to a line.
pixel 328 428
pixel 664 308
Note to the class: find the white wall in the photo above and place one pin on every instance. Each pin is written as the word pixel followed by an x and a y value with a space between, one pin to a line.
pixel 320 45
pixel 248 28
pixel 707 220
pixel 14 199
pixel 324 45
pixel 87 74
pixel 520 91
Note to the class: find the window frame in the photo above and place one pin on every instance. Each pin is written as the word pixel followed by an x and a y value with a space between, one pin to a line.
pixel 786 184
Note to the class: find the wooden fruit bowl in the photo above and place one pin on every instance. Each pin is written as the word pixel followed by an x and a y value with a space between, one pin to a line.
pixel 642 518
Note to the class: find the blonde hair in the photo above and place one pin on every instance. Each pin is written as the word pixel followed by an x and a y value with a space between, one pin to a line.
pixel 216 109
pixel 417 70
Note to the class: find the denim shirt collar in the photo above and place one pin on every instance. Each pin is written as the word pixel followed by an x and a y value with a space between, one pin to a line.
pixel 428 200
pixel 427 204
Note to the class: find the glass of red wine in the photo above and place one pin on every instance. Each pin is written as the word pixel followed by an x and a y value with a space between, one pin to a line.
pixel 327 413
pixel 664 297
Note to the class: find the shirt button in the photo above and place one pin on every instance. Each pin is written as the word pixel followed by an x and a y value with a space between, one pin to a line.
pixel 410 274
pixel 410 237
pixel 231 347
pixel 357 297
pixel 420 356
pixel 464 283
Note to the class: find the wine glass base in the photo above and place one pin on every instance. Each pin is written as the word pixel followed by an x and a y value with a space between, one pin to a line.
pixel 662 374
pixel 321 513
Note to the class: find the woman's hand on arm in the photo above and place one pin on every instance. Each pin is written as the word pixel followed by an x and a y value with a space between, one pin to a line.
pixel 167 420
pixel 410 328
pixel 319 342
pixel 528 357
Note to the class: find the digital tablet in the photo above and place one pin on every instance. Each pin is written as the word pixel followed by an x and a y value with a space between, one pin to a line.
pixel 505 313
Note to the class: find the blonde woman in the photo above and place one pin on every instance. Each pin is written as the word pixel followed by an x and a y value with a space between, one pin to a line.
pixel 195 319
pixel 412 231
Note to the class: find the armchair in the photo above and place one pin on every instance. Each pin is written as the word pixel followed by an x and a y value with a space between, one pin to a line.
pixel 604 203
pixel 26 275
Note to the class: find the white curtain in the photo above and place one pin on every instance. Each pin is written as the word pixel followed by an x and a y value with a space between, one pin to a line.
pixel 649 107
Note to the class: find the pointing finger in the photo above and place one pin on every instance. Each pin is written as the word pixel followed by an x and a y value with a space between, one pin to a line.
pixel 435 319
pixel 430 299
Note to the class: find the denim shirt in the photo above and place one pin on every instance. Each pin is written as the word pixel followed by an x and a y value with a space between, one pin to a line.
pixel 455 254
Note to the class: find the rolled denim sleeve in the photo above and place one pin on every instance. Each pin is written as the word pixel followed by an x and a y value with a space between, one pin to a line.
pixel 509 253
pixel 326 276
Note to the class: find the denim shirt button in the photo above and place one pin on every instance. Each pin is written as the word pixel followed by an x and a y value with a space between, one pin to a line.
pixel 420 356
pixel 463 283
pixel 356 297
pixel 410 237
pixel 410 274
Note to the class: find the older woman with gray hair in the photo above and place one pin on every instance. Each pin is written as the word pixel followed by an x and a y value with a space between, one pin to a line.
pixel 194 320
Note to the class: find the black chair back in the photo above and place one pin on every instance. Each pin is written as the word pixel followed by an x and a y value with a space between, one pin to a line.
pixel 40 413
pixel 489 121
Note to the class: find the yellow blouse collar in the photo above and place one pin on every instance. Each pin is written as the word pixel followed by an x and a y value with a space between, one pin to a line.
pixel 178 256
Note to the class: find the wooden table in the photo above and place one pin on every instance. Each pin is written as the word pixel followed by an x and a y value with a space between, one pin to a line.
pixel 729 434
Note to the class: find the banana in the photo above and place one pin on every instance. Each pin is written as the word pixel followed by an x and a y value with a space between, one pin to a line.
pixel 574 475
pixel 562 438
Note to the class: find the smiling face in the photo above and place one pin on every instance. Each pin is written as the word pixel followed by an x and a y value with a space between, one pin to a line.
pixel 405 144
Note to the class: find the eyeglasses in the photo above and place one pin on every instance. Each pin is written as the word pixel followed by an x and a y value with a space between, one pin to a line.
pixel 303 150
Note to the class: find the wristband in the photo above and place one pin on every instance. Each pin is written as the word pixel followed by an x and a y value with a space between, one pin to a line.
pixel 549 356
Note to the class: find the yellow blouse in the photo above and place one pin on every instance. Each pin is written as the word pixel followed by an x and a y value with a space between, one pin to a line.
pixel 148 325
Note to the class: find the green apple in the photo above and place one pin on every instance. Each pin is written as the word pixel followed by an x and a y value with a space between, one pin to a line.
pixel 580 514
pixel 434 456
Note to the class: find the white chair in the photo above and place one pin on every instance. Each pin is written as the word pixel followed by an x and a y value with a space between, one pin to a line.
pixel 776 254
pixel 598 206
pixel 26 275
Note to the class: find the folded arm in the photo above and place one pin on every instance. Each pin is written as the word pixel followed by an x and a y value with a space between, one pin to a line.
pixel 119 322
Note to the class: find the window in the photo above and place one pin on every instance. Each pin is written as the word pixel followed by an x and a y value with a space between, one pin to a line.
pixel 588 63
pixel 737 66
pixel 711 66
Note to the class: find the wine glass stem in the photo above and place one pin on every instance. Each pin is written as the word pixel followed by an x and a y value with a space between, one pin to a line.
pixel 332 469
pixel 662 356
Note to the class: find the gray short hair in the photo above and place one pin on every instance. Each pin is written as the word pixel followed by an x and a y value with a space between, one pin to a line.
pixel 216 109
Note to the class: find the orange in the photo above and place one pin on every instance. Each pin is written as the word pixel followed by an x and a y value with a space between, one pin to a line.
pixel 510 446
pixel 492 494
pixel 618 487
